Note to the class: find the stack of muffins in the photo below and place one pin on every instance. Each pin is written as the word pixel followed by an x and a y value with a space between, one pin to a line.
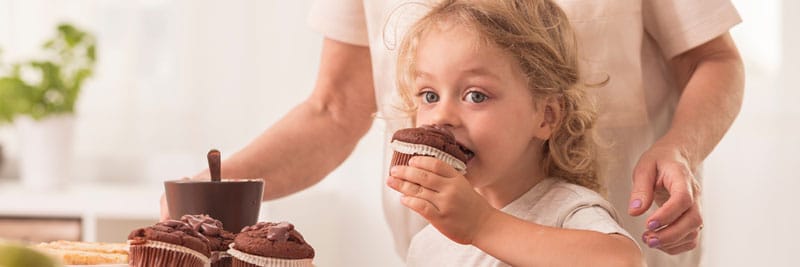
pixel 199 240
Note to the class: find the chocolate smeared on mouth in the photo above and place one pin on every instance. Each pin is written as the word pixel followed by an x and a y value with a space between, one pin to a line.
pixel 467 152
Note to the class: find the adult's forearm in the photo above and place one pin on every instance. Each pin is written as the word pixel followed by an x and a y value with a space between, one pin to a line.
pixel 317 135
pixel 296 152
pixel 711 99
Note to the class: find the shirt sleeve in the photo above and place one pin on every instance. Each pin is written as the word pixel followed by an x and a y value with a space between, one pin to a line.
pixel 341 20
pixel 680 25
pixel 595 218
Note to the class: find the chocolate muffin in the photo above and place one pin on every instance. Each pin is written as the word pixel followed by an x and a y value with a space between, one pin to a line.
pixel 432 141
pixel 168 243
pixel 218 238
pixel 271 244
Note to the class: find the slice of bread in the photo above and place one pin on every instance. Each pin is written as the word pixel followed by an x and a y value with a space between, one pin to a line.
pixel 74 252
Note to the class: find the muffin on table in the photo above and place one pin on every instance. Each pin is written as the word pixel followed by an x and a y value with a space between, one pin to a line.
pixel 168 243
pixel 271 244
pixel 218 238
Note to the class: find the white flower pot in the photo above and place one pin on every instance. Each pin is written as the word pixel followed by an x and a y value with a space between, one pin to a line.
pixel 45 150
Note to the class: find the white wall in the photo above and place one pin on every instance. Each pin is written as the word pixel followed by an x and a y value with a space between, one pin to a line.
pixel 751 179
pixel 176 78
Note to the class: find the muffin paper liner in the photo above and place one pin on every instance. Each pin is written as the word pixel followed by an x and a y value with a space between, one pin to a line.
pixel 222 259
pixel 408 150
pixel 241 259
pixel 156 253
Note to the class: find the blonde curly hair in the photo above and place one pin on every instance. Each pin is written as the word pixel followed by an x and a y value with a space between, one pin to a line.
pixel 538 35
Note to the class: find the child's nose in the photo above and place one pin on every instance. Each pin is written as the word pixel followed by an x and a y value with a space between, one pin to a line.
pixel 446 114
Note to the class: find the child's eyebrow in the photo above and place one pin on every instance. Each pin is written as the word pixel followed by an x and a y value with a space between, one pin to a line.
pixel 477 71
pixel 482 71
pixel 421 74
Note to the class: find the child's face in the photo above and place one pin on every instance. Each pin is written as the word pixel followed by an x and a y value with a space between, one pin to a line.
pixel 479 92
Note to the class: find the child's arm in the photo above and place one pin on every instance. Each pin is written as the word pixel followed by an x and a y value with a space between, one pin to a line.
pixel 447 200
pixel 522 243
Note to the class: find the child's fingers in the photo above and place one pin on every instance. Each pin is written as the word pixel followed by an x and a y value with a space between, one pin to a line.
pixel 425 208
pixel 418 176
pixel 410 189
pixel 433 165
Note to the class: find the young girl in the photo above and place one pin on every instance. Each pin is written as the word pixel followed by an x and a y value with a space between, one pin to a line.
pixel 502 76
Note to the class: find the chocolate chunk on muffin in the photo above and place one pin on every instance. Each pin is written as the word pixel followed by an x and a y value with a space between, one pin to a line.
pixel 271 244
pixel 432 141
pixel 168 243
pixel 218 238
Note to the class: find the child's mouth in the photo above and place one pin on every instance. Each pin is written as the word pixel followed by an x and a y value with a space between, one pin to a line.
pixel 467 152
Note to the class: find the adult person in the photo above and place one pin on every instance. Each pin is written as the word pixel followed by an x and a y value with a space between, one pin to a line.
pixel 675 85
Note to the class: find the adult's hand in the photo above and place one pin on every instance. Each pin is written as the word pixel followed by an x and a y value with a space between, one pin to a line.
pixel 663 176
pixel 712 78
pixel 164 208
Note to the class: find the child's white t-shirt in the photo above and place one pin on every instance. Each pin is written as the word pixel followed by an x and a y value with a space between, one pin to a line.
pixel 552 202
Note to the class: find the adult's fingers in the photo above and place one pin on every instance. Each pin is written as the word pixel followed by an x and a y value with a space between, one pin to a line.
pixel 680 184
pixel 690 238
pixel 164 208
pixel 683 230
pixel 644 180
pixel 681 248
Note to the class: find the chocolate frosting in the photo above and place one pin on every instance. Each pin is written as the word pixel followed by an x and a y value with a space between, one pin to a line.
pixel 211 229
pixel 174 232
pixel 277 240
pixel 204 224
pixel 434 136
pixel 280 231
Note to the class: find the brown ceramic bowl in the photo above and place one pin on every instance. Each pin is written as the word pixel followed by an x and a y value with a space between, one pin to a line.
pixel 235 203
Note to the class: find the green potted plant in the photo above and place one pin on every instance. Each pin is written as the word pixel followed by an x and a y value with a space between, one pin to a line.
pixel 38 96
pixel 42 87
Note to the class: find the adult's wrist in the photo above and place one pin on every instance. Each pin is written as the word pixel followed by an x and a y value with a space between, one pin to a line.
pixel 684 144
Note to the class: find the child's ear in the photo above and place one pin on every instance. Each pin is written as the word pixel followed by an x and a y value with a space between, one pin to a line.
pixel 549 117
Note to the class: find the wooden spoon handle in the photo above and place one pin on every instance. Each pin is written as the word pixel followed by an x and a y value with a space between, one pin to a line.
pixel 214 165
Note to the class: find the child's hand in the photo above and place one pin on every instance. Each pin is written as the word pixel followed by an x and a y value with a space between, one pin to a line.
pixel 444 197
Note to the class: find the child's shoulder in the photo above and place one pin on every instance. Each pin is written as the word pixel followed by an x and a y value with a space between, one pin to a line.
pixel 558 194
pixel 553 200
pixel 569 198
pixel 557 187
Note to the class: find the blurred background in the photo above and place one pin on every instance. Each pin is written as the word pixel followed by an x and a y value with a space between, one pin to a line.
pixel 175 78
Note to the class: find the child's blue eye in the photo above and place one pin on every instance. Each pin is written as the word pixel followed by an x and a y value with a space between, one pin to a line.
pixel 475 97
pixel 430 97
